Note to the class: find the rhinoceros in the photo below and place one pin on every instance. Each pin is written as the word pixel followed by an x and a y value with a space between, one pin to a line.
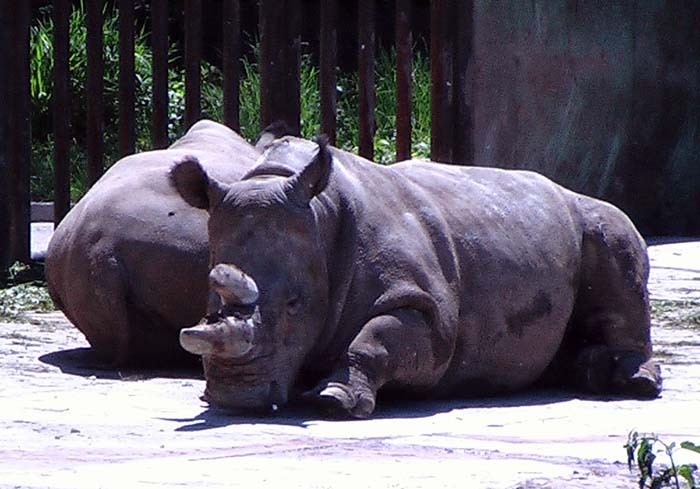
pixel 128 264
pixel 338 278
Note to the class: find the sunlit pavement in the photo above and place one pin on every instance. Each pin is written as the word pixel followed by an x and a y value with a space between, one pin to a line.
pixel 87 429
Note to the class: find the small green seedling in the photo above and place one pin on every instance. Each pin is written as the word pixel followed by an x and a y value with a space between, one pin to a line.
pixel 640 448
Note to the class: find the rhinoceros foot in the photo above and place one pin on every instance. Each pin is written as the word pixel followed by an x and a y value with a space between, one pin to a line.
pixel 635 380
pixel 622 373
pixel 340 400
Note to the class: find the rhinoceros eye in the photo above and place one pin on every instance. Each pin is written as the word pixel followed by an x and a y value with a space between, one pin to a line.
pixel 294 304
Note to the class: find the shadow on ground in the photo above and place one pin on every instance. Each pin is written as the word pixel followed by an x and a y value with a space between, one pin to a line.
pixel 298 414
pixel 84 363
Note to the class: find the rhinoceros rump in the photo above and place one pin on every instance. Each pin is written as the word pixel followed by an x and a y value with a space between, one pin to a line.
pixel 420 277
pixel 128 264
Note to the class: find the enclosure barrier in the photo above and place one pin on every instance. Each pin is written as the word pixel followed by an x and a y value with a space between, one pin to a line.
pixel 280 42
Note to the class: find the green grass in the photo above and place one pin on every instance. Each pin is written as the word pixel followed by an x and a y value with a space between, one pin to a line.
pixel 26 292
pixel 41 66
pixel 41 83
pixel 677 313
pixel 347 105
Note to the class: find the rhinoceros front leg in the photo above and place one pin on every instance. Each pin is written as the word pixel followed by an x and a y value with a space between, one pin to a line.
pixel 397 347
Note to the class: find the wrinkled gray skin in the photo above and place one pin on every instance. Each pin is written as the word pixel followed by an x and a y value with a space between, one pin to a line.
pixel 128 264
pixel 428 279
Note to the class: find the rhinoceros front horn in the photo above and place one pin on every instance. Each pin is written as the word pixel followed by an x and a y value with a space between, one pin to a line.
pixel 228 338
pixel 234 286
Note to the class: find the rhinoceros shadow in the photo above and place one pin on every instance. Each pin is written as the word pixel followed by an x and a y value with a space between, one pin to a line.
pixel 83 362
pixel 303 415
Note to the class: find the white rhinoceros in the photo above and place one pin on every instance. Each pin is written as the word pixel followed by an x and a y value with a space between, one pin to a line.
pixel 346 278
pixel 128 264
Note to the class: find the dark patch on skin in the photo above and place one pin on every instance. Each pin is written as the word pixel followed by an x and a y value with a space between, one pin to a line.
pixel 541 306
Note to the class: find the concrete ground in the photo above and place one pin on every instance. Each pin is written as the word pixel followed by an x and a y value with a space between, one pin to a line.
pixel 63 427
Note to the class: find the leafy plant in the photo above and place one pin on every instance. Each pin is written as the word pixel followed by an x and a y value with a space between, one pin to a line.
pixel 26 292
pixel 640 450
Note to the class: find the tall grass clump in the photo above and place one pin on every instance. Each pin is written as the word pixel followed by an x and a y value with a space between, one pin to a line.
pixel 347 103
pixel 385 109
pixel 41 84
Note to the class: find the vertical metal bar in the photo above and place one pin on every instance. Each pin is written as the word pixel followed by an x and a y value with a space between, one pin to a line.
pixel 280 57
pixel 6 23
pixel 159 93
pixel 328 58
pixel 193 58
pixel 366 48
pixel 95 87
pixel 61 109
pixel 462 146
pixel 441 89
pixel 127 79
pixel 231 54
pixel 404 67
pixel 20 136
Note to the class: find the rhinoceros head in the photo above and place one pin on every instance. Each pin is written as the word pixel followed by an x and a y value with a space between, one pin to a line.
pixel 268 279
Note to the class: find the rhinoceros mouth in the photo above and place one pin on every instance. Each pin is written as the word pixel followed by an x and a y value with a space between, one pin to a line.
pixel 231 385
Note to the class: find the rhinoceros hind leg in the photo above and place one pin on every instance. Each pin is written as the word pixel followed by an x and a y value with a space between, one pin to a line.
pixel 600 370
pixel 609 336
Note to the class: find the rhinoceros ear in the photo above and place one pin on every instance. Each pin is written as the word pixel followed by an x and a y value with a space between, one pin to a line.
pixel 311 181
pixel 194 185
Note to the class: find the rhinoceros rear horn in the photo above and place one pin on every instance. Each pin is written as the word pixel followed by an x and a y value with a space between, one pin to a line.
pixel 234 286
pixel 314 177
pixel 194 185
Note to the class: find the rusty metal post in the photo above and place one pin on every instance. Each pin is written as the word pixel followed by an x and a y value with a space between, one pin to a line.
pixel 159 93
pixel 95 88
pixel 404 66
pixel 61 110
pixel 127 79
pixel 5 114
pixel 367 90
pixel 328 59
pixel 193 58
pixel 462 146
pixel 441 120
pixel 280 58
pixel 231 61
pixel 20 134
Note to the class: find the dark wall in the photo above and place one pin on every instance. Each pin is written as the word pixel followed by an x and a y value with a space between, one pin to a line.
pixel 604 97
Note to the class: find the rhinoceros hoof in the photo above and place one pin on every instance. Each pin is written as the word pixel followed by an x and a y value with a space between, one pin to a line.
pixel 646 381
pixel 340 400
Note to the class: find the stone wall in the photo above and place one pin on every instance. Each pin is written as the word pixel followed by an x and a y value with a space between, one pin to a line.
pixel 604 97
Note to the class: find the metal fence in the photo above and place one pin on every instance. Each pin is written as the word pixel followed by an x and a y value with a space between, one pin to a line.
pixel 280 44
